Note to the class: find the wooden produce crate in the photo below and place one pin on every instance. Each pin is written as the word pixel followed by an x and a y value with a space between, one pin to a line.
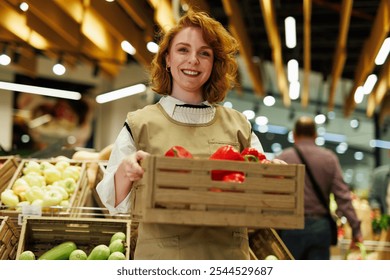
pixel 8 166
pixel 178 192
pixel 9 238
pixel 76 200
pixel 41 234
pixel 265 242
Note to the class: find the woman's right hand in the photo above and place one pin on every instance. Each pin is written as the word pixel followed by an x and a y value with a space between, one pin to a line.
pixel 131 165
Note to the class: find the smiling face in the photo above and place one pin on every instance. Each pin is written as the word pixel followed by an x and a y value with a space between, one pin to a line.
pixel 190 60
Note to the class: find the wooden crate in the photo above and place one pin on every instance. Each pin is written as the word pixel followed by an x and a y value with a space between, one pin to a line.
pixel 9 164
pixel 178 192
pixel 266 241
pixel 9 238
pixel 41 234
pixel 76 200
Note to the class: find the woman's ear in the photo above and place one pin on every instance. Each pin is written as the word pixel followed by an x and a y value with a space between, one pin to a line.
pixel 167 61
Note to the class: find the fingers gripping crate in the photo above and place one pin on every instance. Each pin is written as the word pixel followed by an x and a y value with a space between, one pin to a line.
pixel 179 191
pixel 43 233
pixel 9 238
pixel 266 242
pixel 8 166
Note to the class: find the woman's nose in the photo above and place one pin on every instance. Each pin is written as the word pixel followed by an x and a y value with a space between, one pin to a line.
pixel 193 58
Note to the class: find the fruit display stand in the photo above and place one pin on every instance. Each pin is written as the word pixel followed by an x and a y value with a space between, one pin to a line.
pixel 41 234
pixel 95 195
pixel 76 199
pixel 180 192
pixel 9 238
pixel 8 164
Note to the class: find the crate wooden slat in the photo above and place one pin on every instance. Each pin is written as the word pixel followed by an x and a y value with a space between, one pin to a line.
pixel 9 238
pixel 265 242
pixel 178 192
pixel 7 170
pixel 41 234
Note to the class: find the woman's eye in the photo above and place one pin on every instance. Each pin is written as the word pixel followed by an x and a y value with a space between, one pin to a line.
pixel 182 50
pixel 205 54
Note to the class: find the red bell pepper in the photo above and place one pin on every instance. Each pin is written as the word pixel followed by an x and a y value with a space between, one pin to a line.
pixel 178 151
pixel 226 152
pixel 252 154
pixel 234 177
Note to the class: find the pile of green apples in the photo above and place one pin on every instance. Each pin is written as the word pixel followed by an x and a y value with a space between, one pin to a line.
pixel 44 184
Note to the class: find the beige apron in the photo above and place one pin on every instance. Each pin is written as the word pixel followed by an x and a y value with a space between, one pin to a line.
pixel 155 132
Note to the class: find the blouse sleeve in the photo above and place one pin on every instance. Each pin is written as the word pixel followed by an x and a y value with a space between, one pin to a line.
pixel 123 146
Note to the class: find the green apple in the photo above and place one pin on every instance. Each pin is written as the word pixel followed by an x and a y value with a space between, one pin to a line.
pixel 27 256
pixel 78 255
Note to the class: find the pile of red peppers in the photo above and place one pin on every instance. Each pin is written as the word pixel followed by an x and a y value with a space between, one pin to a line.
pixel 226 152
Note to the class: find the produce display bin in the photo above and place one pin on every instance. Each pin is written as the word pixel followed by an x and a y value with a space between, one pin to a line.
pixel 266 242
pixel 9 238
pixel 8 164
pixel 41 234
pixel 181 191
pixel 76 200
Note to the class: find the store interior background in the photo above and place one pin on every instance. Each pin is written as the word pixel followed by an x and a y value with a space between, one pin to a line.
pixel 357 161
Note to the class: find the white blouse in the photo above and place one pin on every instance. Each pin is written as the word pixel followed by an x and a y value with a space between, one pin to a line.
pixel 124 145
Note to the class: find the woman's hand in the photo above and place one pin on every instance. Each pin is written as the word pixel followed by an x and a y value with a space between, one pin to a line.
pixel 278 161
pixel 131 165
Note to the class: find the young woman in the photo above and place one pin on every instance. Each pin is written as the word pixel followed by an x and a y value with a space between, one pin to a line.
pixel 193 71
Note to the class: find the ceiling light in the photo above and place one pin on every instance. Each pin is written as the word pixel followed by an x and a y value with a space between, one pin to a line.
pixel 152 47
pixel 370 83
pixel 261 120
pixel 249 114
pixel 120 93
pixel 58 68
pixel 383 52
pixel 127 47
pixel 290 32
pixel 41 90
pixel 269 100
pixel 294 90
pixel 359 95
pixel 4 58
pixel 292 70
pixel 24 6
pixel 320 119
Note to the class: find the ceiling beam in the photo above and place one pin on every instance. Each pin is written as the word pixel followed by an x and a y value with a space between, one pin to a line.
pixel 379 31
pixel 57 19
pixel 340 55
pixel 117 22
pixel 163 13
pixel 269 16
pixel 237 28
pixel 141 16
pixel 198 5
pixel 381 89
pixel 307 8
